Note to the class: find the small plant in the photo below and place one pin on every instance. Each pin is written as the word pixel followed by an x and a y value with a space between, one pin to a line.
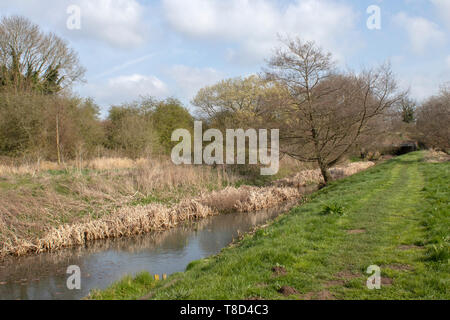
pixel 439 252
pixel 334 209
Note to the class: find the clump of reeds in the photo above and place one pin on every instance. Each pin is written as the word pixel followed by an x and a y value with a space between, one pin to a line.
pixel 434 156
pixel 350 169
pixel 29 205
pixel 111 163
pixel 120 220
pixel 129 221
pixel 248 198
pixel 94 164
pixel 28 168
pixel 314 176
pixel 124 222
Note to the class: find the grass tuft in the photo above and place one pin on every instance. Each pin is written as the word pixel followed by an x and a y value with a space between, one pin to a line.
pixel 333 209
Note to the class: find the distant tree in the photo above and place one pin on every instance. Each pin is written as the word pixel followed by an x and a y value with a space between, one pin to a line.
pixel 237 102
pixel 33 60
pixel 407 110
pixel 327 111
pixel 433 119
pixel 28 126
pixel 145 126
pixel 168 116
pixel 34 64
pixel 129 128
pixel 89 133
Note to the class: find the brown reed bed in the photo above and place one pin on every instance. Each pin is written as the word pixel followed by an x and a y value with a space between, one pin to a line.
pixel 435 156
pixel 128 221
pixel 314 176
pixel 119 219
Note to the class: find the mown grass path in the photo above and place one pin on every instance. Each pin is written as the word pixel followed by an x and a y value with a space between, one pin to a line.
pixel 395 216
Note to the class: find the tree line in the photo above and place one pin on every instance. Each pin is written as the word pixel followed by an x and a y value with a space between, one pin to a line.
pixel 40 118
pixel 323 113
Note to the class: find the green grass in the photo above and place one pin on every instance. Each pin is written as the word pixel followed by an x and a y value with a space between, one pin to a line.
pixel 401 209
pixel 129 288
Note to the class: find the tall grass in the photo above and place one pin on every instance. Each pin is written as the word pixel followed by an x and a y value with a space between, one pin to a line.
pixel 128 221
pixel 314 176
pixel 60 208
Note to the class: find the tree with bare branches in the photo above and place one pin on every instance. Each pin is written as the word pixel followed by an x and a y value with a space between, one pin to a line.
pixel 433 118
pixel 33 60
pixel 326 110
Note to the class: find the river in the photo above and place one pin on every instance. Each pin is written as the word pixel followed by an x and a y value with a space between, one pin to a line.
pixel 44 276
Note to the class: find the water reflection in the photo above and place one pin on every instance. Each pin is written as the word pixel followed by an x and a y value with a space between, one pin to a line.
pixel 103 262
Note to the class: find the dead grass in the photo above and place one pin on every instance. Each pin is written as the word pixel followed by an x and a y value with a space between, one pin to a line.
pixel 44 211
pixel 29 168
pixel 128 221
pixel 123 222
pixel 248 198
pixel 434 156
pixel 32 202
pixel 314 176
pixel 112 163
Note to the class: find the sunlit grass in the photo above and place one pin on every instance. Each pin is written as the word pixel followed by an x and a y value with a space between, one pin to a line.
pixel 396 217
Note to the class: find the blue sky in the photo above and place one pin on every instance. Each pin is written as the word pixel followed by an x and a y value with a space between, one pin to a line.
pixel 174 47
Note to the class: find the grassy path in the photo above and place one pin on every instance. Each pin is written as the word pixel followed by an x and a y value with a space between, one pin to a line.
pixel 395 216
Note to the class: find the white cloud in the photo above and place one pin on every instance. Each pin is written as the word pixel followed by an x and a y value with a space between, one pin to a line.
pixel 448 61
pixel 120 23
pixel 254 24
pixel 423 34
pixel 190 80
pixel 125 88
pixel 424 84
pixel 443 9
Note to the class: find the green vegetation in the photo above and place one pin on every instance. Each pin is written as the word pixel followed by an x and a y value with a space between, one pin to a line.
pixel 396 217
pixel 130 288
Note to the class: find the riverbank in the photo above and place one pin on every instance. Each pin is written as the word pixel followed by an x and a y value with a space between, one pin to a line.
pixel 394 215
pixel 50 210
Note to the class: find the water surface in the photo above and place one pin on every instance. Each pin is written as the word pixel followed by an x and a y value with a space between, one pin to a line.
pixel 102 262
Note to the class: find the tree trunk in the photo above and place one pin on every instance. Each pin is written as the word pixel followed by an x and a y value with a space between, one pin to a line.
pixel 58 151
pixel 325 173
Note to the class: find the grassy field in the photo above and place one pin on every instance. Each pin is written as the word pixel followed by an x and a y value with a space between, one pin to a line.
pixel 394 215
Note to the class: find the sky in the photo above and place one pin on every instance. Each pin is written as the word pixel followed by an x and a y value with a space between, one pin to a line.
pixel 172 48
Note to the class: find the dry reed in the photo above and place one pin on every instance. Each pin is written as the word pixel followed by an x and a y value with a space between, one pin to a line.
pixel 435 156
pixel 137 220
pixel 124 220
pixel 314 176
pixel 248 198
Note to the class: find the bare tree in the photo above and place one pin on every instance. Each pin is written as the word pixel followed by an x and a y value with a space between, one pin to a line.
pixel 433 118
pixel 327 111
pixel 31 59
